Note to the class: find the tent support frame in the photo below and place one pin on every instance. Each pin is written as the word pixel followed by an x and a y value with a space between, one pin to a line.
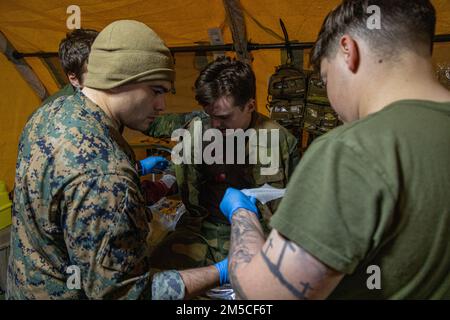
pixel 236 22
pixel 22 67
pixel 225 47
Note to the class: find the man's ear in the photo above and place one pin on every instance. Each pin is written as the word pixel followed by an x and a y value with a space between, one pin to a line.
pixel 73 79
pixel 348 46
pixel 251 105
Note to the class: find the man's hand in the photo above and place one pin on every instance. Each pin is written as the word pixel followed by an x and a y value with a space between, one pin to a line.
pixel 234 200
pixel 153 165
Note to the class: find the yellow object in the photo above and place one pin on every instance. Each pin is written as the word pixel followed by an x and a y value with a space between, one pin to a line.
pixel 5 207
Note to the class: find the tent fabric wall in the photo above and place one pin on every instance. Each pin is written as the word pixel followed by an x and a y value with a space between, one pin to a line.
pixel 39 25
pixel 17 102
pixel 44 74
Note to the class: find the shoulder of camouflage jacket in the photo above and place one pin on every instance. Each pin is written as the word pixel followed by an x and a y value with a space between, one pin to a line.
pixel 71 139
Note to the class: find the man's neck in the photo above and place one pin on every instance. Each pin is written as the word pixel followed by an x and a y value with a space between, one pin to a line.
pixel 412 79
pixel 251 121
pixel 101 100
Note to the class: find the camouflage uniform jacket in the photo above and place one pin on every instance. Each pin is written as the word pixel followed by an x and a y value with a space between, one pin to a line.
pixel 67 90
pixel 78 203
pixel 164 125
pixel 190 177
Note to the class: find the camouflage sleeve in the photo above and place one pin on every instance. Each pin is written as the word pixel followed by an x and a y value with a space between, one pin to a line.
pixel 289 157
pixel 164 125
pixel 293 155
pixel 189 180
pixel 168 285
pixel 106 225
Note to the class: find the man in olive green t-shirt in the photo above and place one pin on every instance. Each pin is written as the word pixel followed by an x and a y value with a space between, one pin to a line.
pixel 366 214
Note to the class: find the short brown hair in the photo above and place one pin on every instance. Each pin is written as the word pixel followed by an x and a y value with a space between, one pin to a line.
pixel 404 23
pixel 74 50
pixel 226 77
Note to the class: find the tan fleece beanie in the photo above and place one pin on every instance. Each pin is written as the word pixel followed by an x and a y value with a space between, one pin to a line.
pixel 128 51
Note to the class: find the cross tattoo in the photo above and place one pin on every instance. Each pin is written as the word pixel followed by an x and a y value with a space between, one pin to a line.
pixel 306 287
pixel 286 244
pixel 269 246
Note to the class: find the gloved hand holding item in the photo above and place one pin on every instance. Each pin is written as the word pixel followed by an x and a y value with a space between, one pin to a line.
pixel 169 180
pixel 155 190
pixel 234 200
pixel 222 267
pixel 152 165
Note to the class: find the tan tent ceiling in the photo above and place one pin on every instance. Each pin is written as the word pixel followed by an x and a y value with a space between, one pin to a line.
pixel 39 25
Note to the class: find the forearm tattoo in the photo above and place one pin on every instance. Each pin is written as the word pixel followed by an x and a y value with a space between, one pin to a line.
pixel 247 239
pixel 282 257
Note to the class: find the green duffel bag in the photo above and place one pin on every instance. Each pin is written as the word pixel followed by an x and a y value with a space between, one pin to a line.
pixel 288 113
pixel 319 119
pixel 287 82
pixel 317 92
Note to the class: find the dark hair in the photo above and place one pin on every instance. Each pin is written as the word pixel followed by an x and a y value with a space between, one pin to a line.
pixel 225 77
pixel 74 50
pixel 404 24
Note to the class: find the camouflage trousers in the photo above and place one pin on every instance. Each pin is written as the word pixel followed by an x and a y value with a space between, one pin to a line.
pixel 185 248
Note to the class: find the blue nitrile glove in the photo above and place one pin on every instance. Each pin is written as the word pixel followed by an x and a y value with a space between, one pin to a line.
pixel 153 165
pixel 222 267
pixel 234 200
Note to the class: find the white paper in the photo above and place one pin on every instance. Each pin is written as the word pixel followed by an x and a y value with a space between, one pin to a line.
pixel 265 193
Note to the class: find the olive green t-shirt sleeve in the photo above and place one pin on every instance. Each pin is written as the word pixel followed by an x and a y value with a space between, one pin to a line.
pixel 337 206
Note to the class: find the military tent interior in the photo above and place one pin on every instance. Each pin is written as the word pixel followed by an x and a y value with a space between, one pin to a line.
pixel 31 32
pixel 38 26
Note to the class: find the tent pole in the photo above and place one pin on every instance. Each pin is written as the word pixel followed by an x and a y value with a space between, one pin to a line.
pixel 187 49
pixel 22 66
pixel 442 38
pixel 225 47
pixel 236 21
